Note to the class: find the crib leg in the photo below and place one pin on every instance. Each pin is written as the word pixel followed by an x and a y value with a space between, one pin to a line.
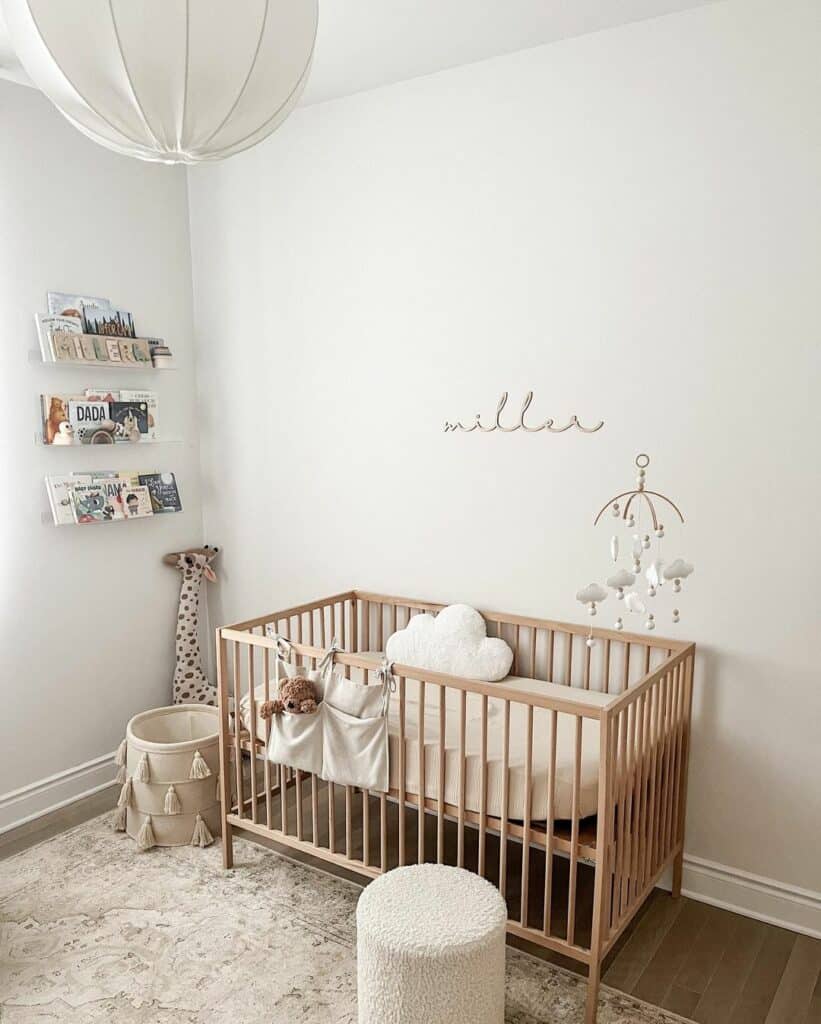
pixel 227 846
pixel 678 868
pixel 592 1003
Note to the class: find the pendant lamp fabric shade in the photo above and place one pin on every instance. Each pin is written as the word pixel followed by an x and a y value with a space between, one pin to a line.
pixel 178 81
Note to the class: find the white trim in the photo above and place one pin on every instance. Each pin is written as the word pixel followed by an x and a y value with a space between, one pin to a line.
pixel 764 899
pixel 20 806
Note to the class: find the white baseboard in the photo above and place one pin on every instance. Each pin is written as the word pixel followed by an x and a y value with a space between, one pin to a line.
pixel 764 899
pixel 50 794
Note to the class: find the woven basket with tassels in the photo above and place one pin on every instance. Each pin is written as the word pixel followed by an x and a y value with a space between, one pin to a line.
pixel 168 767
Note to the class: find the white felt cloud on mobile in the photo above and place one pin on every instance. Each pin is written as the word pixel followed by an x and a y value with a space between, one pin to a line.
pixel 455 641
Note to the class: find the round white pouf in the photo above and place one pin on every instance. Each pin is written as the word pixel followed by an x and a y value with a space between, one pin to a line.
pixel 431 948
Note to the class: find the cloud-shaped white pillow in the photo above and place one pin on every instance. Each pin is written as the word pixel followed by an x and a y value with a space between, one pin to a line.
pixel 455 642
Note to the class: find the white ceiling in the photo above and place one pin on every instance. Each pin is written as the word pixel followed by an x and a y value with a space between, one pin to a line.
pixel 363 44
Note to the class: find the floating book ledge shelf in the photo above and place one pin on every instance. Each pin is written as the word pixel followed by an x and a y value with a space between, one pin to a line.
pixel 107 364
pixel 47 520
pixel 115 445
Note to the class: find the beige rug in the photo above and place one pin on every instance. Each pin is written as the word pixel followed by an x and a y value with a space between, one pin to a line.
pixel 91 930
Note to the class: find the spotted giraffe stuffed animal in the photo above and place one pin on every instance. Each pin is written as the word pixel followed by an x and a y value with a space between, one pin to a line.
pixel 190 683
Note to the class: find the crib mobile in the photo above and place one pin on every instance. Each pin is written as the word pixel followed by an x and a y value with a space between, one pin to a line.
pixel 657 573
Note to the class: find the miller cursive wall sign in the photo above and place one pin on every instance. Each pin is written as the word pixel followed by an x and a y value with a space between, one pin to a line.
pixel 549 424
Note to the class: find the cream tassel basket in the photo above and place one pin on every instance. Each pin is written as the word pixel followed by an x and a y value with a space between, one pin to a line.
pixel 168 765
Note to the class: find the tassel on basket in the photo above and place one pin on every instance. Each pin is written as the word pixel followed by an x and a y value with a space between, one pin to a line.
pixel 143 772
pixel 172 802
pixel 122 752
pixel 199 769
pixel 119 819
pixel 201 837
pixel 122 774
pixel 124 798
pixel 145 837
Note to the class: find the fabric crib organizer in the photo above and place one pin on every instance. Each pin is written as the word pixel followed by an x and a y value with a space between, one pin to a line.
pixel 345 741
pixel 564 783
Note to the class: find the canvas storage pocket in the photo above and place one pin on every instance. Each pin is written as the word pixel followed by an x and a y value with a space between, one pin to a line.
pixel 355 732
pixel 296 741
pixel 354 750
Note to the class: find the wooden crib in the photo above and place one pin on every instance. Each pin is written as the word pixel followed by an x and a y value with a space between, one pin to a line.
pixel 572 885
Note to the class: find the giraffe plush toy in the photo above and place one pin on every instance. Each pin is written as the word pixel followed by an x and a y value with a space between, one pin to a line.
pixel 190 683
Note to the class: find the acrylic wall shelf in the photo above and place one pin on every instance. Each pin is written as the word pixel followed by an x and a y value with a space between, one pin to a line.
pixel 37 358
pixel 116 446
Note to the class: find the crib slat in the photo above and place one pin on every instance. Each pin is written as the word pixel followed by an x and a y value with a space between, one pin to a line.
pixel 551 643
pixel 298 794
pixel 587 656
pixel 516 650
pixel 568 659
pixel 348 822
pixel 551 825
pixel 379 613
pixel 322 643
pixel 252 728
pixel 314 811
pixel 526 822
pixel 630 767
pixel 266 767
pixel 383 832
pixel 620 796
pixel 574 832
pixel 283 799
pixel 402 771
pixel 606 667
pixel 532 652
pixel 366 625
pixel 420 821
pixel 652 803
pixel 237 731
pixel 626 680
pixel 679 735
pixel 310 624
pixel 483 790
pixel 460 838
pixel 641 790
pixel 331 818
pixel 366 828
pixel 440 814
pixel 505 801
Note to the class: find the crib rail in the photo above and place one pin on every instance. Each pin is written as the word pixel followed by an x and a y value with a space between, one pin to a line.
pixel 539 864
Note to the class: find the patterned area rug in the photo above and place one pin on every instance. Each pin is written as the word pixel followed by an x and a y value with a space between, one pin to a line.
pixel 91 930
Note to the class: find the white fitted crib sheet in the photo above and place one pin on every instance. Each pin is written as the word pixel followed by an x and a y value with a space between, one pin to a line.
pixel 541 754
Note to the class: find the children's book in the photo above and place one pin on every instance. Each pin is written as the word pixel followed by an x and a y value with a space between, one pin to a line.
pixel 91 413
pixel 132 417
pixel 113 323
pixel 60 490
pixel 92 505
pixel 68 304
pixel 150 399
pixel 111 486
pixel 101 395
pixel 163 490
pixel 136 502
pixel 47 325
pixel 56 421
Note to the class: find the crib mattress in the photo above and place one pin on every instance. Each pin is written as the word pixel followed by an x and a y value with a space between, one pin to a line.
pixel 541 752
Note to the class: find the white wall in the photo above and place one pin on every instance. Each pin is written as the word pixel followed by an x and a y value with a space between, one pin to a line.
pixel 628 224
pixel 87 614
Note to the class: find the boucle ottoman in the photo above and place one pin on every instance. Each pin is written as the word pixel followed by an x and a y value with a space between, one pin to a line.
pixel 430 948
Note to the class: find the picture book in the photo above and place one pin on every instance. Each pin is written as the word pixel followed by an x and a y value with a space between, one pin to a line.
pixel 60 490
pixel 92 505
pixel 162 488
pixel 150 399
pixel 84 414
pixel 113 323
pixel 136 502
pixel 111 486
pixel 47 325
pixel 132 417
pixel 66 346
pixel 68 304
pixel 56 422
pixel 95 395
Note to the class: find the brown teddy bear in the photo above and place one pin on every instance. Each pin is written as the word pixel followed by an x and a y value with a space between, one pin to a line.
pixel 296 695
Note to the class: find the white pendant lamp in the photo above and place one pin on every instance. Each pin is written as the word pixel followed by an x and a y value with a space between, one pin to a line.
pixel 179 81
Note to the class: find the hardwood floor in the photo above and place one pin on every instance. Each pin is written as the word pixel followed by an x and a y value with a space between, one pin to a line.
pixel 706 964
